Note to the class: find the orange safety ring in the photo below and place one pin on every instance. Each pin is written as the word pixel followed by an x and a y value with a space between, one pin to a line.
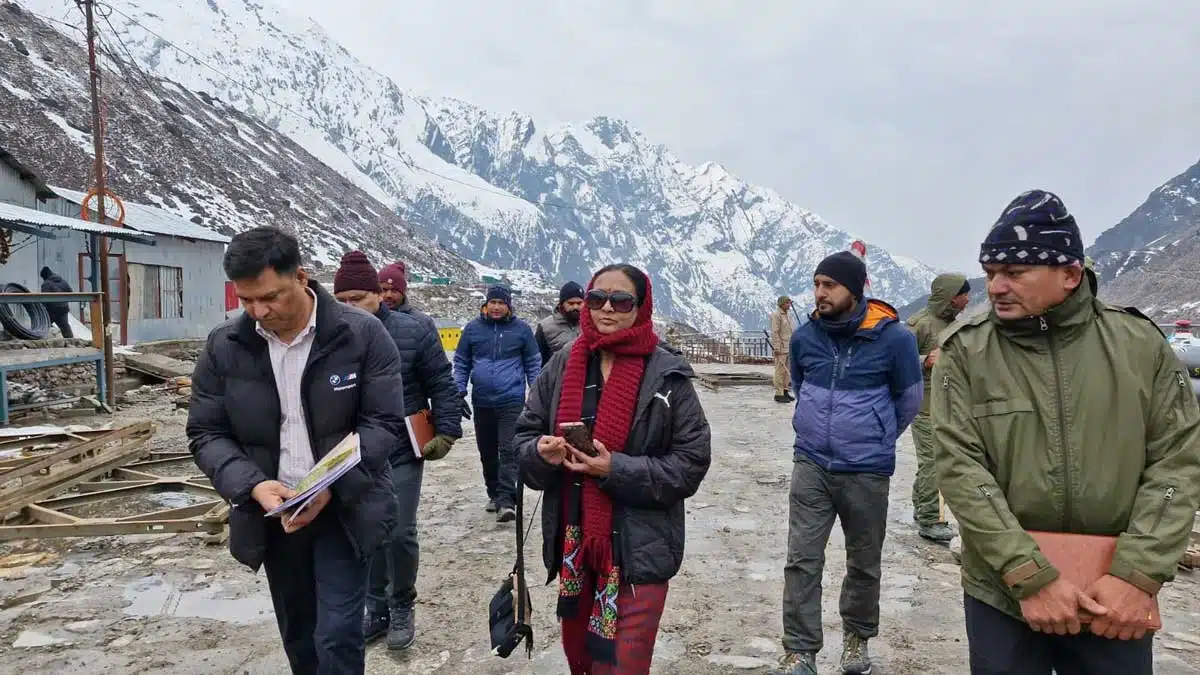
pixel 108 194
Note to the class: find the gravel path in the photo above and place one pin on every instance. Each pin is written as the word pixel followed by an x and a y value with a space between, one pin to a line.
pixel 173 604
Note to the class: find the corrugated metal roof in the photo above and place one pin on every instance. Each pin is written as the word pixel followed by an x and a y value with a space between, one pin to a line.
pixel 153 219
pixel 19 214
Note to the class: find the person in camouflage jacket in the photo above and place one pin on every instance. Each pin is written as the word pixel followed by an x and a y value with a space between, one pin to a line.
pixel 948 296
pixel 1056 412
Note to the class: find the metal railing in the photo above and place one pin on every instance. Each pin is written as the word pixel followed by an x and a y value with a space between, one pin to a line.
pixel 728 347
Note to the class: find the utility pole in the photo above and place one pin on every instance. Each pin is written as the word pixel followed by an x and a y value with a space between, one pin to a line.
pixel 101 191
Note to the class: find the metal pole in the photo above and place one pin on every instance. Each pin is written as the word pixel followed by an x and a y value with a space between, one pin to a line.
pixel 98 142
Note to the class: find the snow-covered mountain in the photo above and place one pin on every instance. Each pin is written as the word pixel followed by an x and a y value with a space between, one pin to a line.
pixel 1152 258
pixel 186 152
pixel 497 188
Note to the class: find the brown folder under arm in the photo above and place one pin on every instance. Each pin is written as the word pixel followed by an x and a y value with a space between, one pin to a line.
pixel 1082 559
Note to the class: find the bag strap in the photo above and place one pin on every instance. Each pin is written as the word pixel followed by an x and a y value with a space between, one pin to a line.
pixel 519 569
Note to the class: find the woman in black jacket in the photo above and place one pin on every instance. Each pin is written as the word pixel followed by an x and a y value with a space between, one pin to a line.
pixel 613 523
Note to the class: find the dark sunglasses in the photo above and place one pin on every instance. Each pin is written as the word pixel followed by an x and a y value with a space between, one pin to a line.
pixel 621 301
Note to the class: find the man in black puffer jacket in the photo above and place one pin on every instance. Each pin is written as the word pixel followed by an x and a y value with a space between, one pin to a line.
pixel 427 378
pixel 274 390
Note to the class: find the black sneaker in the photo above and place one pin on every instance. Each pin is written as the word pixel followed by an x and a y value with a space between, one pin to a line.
pixel 491 506
pixel 403 630
pixel 506 514
pixel 782 398
pixel 375 625
pixel 789 396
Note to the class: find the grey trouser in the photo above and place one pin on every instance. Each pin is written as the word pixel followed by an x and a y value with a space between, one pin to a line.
pixel 817 497
pixel 395 564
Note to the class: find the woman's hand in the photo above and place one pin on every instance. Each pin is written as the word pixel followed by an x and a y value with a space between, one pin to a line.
pixel 596 467
pixel 552 449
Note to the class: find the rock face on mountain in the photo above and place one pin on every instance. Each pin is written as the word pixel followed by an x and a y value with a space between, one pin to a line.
pixel 185 151
pixel 1151 259
pixel 496 188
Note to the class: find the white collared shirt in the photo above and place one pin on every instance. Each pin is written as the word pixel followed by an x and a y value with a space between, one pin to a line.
pixel 288 361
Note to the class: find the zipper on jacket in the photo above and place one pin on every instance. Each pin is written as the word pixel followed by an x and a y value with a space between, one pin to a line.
pixel 1185 391
pixel 1064 447
pixel 991 497
pixel 1168 495
pixel 837 362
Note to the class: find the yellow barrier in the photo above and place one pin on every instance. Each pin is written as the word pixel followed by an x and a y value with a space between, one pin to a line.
pixel 450 337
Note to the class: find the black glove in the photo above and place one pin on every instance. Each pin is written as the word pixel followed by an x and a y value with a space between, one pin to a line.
pixel 466 407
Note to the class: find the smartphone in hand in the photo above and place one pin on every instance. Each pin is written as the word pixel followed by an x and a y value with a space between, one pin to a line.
pixel 580 438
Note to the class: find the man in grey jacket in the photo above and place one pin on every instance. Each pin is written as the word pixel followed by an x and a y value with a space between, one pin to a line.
pixel 562 327
pixel 274 390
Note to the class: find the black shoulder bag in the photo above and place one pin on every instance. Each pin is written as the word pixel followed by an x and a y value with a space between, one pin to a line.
pixel 508 612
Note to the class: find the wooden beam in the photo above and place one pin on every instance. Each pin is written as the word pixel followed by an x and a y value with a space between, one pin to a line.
pixel 75 472
pixel 192 511
pixel 105 528
pixel 96 486
pixel 147 488
pixel 45 515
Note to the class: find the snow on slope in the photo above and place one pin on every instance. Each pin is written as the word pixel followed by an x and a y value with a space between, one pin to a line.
pixel 496 188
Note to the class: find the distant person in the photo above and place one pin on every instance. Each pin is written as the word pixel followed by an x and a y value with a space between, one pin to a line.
pixel 60 312
pixel 1055 412
pixel 857 378
pixel 497 356
pixel 274 390
pixel 781 344
pixel 613 524
pixel 562 326
pixel 1183 334
pixel 948 297
pixel 428 385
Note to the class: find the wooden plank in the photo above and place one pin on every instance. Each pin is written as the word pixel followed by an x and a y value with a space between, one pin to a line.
pixel 191 511
pixel 95 486
pixel 77 450
pixel 43 487
pixel 156 487
pixel 96 310
pixel 106 528
pixel 50 516
pixel 157 365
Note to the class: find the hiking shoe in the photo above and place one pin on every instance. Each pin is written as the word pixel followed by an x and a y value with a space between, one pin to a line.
pixel 856 659
pixel 506 514
pixel 491 506
pixel 797 663
pixel 942 533
pixel 789 396
pixel 782 398
pixel 403 630
pixel 375 624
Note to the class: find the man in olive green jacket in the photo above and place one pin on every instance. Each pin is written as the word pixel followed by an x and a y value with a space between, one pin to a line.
pixel 1055 412
pixel 948 296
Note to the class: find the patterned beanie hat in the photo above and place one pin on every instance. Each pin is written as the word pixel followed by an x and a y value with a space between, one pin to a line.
pixel 1035 229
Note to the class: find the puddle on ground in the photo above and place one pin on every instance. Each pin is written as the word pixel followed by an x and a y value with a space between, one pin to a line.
pixel 154 596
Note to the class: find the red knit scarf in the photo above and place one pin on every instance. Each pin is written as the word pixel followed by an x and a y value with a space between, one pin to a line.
pixel 588 561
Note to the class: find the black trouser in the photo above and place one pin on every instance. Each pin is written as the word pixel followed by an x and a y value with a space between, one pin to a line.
pixel 817 498
pixel 63 321
pixel 318 587
pixel 494 431
pixel 396 561
pixel 1003 645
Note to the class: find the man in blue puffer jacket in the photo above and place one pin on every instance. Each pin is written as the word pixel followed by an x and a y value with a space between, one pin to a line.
pixel 498 355
pixel 857 377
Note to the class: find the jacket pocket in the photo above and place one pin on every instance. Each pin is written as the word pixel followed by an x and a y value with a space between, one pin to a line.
pixel 1007 426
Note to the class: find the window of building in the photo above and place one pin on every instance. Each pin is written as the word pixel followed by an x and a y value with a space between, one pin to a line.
pixel 155 292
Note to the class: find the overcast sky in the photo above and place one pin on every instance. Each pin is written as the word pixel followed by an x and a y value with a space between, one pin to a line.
pixel 910 123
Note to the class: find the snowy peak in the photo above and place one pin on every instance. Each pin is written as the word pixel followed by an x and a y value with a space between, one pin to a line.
pixel 498 188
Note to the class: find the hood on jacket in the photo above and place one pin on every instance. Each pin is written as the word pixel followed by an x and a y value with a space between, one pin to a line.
pixel 944 288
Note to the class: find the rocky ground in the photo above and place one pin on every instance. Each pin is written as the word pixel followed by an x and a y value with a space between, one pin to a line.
pixel 174 604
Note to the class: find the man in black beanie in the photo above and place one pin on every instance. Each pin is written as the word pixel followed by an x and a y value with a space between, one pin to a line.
pixel 857 378
pixel 1054 416
pixel 562 327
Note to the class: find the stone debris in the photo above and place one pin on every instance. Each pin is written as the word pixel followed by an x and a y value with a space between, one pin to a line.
pixel 29 639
